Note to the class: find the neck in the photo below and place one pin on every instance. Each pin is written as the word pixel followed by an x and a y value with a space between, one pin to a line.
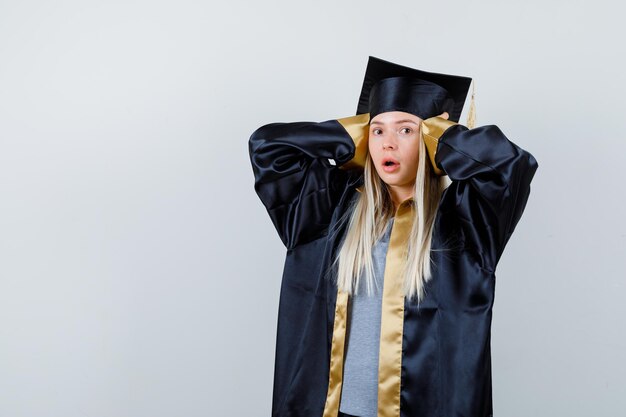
pixel 400 193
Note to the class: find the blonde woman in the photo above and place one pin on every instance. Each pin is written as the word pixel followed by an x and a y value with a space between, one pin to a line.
pixel 394 221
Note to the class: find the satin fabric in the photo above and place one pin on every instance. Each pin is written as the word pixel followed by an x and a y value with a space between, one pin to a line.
pixel 419 97
pixel 397 94
pixel 445 364
pixel 392 314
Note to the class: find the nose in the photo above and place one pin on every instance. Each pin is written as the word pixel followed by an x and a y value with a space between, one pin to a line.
pixel 389 142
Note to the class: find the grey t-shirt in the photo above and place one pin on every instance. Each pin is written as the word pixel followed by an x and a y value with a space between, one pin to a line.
pixel 359 393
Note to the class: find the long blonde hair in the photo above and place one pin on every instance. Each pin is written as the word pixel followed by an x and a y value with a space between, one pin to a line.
pixel 370 212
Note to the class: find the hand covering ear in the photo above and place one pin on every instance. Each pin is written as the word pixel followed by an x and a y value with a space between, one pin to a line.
pixel 432 129
pixel 358 129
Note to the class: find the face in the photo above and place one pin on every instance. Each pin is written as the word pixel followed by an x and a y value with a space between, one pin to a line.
pixel 394 147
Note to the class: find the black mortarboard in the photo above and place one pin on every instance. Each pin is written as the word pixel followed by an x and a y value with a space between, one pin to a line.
pixel 392 87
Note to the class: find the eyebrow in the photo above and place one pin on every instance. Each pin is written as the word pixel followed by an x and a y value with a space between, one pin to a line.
pixel 397 122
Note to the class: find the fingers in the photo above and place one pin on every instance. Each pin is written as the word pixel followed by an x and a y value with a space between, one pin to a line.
pixel 444 115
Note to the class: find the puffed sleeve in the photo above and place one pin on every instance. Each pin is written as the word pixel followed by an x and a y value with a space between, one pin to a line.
pixel 490 177
pixel 300 170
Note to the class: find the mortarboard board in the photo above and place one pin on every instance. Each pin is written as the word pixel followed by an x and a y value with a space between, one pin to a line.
pixel 392 87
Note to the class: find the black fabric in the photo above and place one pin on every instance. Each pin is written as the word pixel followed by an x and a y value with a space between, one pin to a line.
pixel 341 414
pixel 446 363
pixel 421 98
pixel 423 93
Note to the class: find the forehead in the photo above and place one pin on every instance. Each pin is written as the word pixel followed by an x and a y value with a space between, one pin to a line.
pixel 394 117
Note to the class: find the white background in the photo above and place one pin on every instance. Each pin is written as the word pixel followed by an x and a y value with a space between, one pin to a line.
pixel 139 272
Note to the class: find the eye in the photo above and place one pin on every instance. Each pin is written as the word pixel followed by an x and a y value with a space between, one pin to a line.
pixel 406 130
pixel 376 131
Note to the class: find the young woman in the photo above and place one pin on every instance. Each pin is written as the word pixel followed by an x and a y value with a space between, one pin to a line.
pixel 389 278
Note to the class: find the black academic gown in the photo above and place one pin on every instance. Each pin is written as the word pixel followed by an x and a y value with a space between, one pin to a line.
pixel 306 174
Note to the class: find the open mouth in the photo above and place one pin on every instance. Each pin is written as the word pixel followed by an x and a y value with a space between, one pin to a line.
pixel 390 165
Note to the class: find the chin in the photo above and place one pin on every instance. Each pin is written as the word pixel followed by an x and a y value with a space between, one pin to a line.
pixel 389 178
pixel 391 181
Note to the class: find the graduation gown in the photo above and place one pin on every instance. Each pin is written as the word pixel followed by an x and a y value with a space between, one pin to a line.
pixel 435 359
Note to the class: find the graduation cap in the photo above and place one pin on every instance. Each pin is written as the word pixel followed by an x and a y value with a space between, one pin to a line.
pixel 392 87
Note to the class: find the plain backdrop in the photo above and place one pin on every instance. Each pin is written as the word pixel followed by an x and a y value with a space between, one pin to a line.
pixel 139 271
